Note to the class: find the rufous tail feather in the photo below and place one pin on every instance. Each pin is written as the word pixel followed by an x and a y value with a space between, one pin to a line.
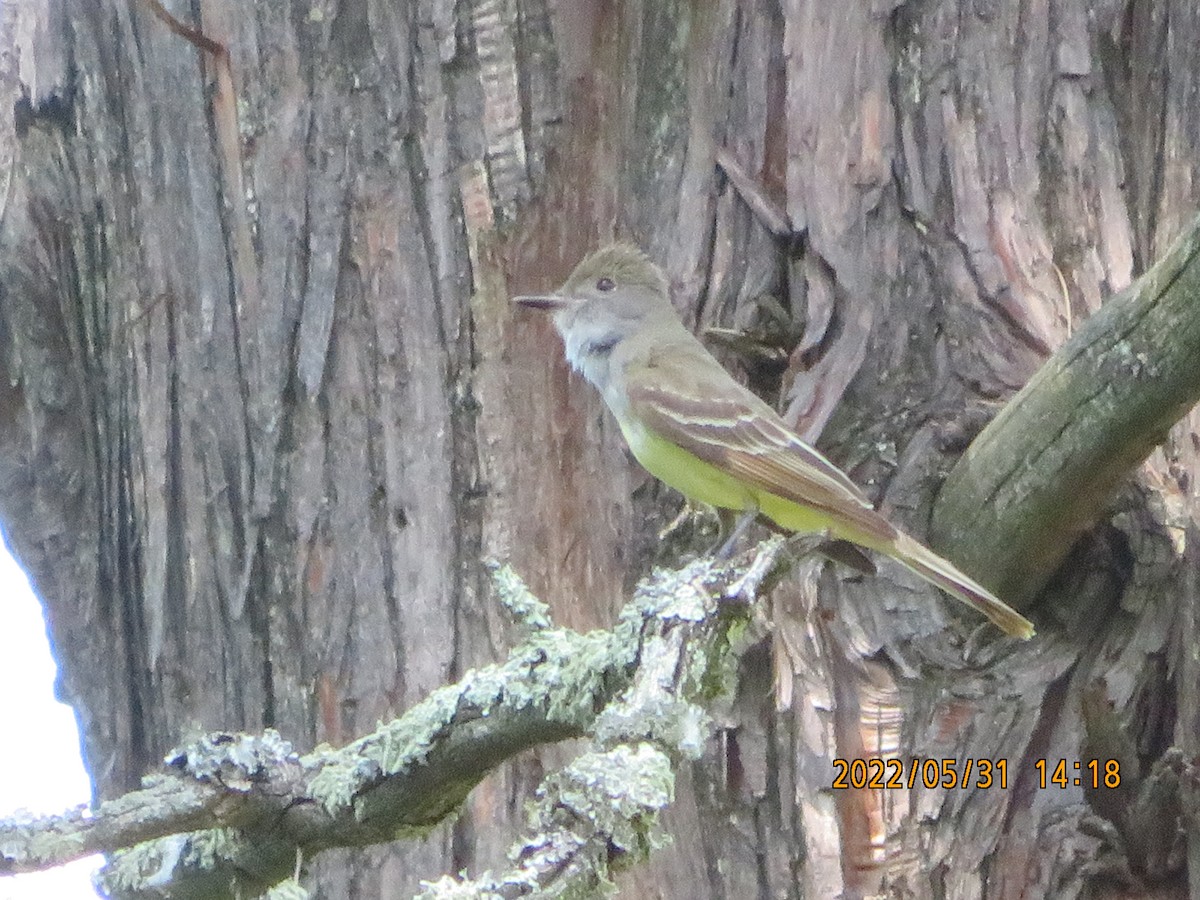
pixel 922 561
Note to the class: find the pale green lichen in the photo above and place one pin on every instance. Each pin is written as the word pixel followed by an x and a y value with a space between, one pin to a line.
pixel 450 888
pixel 145 865
pixel 673 595
pixel 290 889
pixel 156 864
pixel 619 791
pixel 208 848
pixel 555 668
pixel 521 603
pixel 237 761
pixel 52 844
pixel 338 780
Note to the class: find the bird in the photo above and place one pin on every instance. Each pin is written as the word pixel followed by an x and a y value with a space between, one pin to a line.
pixel 693 426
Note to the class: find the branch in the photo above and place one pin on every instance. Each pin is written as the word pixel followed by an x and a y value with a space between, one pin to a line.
pixel 1044 470
pixel 233 813
pixel 601 812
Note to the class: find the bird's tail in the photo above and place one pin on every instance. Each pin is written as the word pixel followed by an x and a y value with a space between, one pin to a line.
pixel 919 559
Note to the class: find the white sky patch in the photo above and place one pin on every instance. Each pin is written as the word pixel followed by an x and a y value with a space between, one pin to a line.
pixel 40 767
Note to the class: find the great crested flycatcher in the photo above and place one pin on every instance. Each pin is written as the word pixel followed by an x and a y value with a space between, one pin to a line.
pixel 690 424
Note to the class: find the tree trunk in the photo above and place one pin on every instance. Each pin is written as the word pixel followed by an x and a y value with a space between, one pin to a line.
pixel 268 411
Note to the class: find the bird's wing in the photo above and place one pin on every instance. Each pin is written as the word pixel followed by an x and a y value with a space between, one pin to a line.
pixel 692 402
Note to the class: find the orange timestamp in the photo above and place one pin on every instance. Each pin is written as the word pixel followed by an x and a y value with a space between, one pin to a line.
pixel 892 774
pixel 1091 773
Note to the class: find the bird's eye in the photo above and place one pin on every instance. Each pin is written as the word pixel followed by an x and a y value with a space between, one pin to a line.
pixel 605 284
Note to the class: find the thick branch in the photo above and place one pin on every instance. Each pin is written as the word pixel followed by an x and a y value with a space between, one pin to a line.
pixel 234 812
pixel 601 812
pixel 267 803
pixel 166 806
pixel 1044 470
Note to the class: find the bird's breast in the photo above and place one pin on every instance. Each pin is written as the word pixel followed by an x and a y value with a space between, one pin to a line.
pixel 687 473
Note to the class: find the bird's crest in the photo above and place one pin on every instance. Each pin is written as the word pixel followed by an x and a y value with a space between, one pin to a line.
pixel 624 263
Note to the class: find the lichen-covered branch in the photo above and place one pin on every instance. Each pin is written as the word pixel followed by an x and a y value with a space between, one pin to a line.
pixel 601 812
pixel 169 804
pixel 232 813
pixel 1045 468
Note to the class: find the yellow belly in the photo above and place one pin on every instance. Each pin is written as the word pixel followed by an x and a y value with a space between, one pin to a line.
pixel 704 482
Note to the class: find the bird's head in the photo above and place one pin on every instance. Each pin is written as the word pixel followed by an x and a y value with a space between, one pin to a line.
pixel 611 295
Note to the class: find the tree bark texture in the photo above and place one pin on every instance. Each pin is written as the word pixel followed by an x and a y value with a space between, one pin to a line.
pixel 267 409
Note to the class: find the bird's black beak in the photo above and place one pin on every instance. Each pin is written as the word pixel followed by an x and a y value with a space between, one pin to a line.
pixel 550 302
